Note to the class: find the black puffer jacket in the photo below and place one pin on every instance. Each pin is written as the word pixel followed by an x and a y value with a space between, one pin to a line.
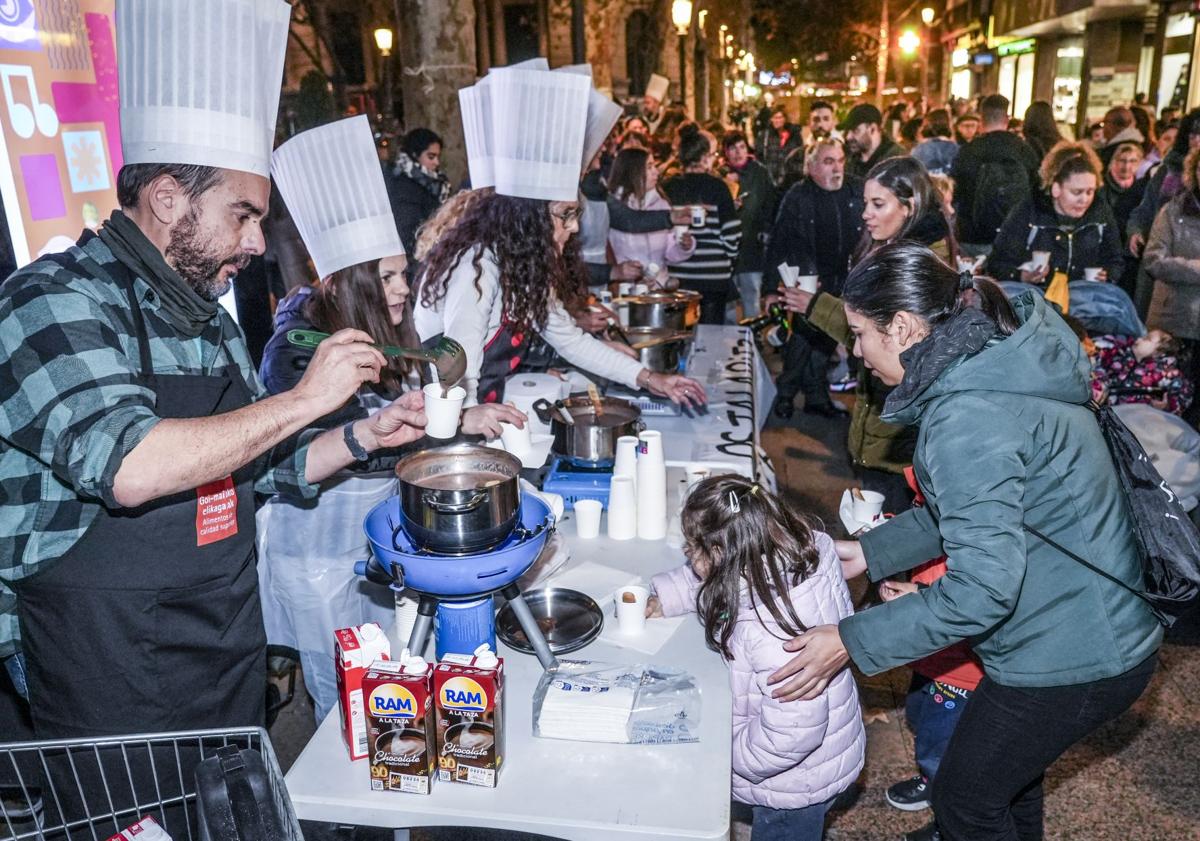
pixel 1074 244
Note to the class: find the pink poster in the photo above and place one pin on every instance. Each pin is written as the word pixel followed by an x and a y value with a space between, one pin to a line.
pixel 60 137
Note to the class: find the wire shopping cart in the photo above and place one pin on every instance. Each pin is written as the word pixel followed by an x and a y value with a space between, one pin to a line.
pixel 94 788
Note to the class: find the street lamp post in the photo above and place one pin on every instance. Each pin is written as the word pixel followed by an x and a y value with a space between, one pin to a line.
pixel 681 17
pixel 384 38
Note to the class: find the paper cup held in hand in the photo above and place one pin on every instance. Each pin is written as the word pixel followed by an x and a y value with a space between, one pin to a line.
pixel 517 440
pixel 679 231
pixel 699 215
pixel 443 413
pixel 1092 274
pixel 807 282
pixel 631 608
pixel 1041 259
pixel 587 518
pixel 868 508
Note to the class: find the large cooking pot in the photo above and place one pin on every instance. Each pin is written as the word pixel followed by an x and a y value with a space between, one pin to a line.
pixel 459 500
pixel 590 441
pixel 664 347
pixel 678 310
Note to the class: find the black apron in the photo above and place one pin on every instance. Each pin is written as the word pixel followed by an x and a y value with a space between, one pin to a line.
pixel 152 622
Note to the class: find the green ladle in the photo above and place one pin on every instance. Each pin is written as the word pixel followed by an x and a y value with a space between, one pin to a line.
pixel 447 356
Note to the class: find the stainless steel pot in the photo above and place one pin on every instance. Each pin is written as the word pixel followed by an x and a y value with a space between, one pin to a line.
pixel 658 309
pixel 459 500
pixel 665 352
pixel 590 441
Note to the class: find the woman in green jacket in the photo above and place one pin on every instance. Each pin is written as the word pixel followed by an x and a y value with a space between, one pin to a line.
pixel 1006 446
pixel 900 203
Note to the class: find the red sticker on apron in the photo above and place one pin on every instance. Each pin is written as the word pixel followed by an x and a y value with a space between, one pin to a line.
pixel 216 511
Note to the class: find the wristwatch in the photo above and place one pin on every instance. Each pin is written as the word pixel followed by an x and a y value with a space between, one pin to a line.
pixel 355 448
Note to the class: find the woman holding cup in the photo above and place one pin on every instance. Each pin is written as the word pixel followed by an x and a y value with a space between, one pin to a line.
pixel 901 203
pixel 1062 228
pixel 634 182
pixel 955 351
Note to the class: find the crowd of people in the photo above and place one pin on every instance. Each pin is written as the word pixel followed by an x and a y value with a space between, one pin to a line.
pixel 960 271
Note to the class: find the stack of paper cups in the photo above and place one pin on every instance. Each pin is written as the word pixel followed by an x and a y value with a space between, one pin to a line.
pixel 651 487
pixel 622 509
pixel 625 463
pixel 406 617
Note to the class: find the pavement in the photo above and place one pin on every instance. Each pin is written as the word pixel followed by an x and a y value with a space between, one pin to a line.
pixel 1133 780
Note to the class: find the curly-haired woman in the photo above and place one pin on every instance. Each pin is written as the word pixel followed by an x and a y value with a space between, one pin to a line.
pixel 506 270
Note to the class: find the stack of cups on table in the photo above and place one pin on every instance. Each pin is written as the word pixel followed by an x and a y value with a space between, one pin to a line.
pixel 637 500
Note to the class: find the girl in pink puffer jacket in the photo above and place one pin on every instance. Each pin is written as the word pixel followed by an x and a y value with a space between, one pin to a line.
pixel 756 575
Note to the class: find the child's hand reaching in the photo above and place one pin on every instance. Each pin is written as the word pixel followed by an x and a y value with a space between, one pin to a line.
pixel 653 608
pixel 891 590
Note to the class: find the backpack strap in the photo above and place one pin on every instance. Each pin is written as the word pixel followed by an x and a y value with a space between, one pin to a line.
pixel 1139 593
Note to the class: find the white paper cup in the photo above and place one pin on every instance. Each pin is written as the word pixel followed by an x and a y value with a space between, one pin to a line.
pixel 966 264
pixel 517 441
pixel 625 462
pixel 443 413
pixel 624 289
pixel 631 616
pixel 699 215
pixel 622 509
pixel 865 510
pixel 651 487
pixel 641 288
pixel 696 475
pixel 1040 259
pixel 1092 274
pixel 678 231
pixel 587 518
pixel 808 282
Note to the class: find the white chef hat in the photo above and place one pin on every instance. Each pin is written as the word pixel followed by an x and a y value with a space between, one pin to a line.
pixel 657 87
pixel 200 80
pixel 475 103
pixel 333 186
pixel 602 114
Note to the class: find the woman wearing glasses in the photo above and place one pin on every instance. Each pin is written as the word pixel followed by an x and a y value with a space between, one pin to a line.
pixel 508 269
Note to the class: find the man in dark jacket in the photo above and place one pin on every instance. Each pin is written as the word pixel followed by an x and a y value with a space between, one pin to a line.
pixel 777 141
pixel 819 223
pixel 992 175
pixel 756 200
pixel 866 142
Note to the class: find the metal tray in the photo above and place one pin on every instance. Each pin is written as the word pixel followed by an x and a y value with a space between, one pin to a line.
pixel 570 619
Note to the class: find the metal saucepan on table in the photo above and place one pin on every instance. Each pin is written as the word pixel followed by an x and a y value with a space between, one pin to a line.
pixel 591 439
pixel 659 348
pixel 678 309
pixel 459 500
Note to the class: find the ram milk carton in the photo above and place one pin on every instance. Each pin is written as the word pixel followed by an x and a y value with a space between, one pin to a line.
pixel 354 650
pixel 400 725
pixel 469 692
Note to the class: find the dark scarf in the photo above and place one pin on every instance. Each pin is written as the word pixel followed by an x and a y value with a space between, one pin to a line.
pixel 436 184
pixel 187 311
pixel 962 334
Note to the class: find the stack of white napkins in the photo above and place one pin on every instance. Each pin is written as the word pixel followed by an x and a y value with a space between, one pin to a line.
pixel 592 707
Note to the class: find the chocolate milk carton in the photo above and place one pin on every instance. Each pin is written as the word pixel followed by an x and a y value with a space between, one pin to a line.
pixel 400 725
pixel 354 650
pixel 470 719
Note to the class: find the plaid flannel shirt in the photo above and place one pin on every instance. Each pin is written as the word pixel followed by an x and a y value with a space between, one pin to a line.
pixel 71 407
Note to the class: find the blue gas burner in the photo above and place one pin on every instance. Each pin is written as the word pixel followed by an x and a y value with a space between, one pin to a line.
pixel 397 563
pixel 574 482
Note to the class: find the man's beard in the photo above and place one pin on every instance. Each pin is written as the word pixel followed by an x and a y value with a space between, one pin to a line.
pixel 199 268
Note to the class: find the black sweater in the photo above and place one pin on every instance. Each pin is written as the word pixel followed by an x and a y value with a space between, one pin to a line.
pixel 711 265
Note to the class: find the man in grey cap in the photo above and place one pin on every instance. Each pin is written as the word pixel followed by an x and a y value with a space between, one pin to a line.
pixel 866 142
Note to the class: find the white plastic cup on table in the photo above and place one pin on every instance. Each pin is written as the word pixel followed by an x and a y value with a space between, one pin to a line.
pixel 587 518
pixel 442 413
pixel 631 614
pixel 808 282
pixel 622 509
pixel 651 487
pixel 1092 274
pixel 867 509
pixel 625 462
pixel 1040 259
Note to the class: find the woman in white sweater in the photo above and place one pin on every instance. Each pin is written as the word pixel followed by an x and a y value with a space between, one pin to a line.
pixel 509 269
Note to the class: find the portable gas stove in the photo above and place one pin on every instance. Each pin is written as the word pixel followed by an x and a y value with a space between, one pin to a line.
pixel 574 481
pixel 399 564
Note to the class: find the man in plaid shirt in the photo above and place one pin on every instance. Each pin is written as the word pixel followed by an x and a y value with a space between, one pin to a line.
pixel 133 435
